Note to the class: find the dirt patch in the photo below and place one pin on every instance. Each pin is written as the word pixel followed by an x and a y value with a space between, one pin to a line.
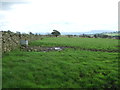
pixel 47 49
pixel 102 50
pixel 118 46
pixel 44 49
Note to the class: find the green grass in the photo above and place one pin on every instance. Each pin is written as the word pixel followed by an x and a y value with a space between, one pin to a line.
pixel 113 34
pixel 89 43
pixel 68 68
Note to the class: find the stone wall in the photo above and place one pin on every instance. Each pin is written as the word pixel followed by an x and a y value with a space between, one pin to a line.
pixel 11 40
pixel 0 45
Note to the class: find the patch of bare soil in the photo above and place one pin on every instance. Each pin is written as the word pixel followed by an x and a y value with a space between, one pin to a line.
pixel 118 46
pixel 102 50
pixel 44 49
pixel 47 49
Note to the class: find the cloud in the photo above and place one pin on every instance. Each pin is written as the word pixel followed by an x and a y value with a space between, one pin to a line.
pixel 2 16
pixel 7 4
pixel 64 15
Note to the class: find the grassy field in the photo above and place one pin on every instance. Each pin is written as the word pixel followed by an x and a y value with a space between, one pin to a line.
pixel 113 34
pixel 89 43
pixel 69 68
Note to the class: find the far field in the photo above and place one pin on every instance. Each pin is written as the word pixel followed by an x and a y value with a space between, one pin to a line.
pixel 86 63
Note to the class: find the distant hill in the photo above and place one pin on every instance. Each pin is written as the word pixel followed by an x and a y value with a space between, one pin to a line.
pixel 90 32
pixel 71 33
pixel 100 31
pixel 79 33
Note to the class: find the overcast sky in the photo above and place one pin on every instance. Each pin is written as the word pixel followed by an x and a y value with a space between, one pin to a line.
pixel 62 15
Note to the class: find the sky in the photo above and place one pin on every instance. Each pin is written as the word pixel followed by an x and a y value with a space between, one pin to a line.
pixel 63 15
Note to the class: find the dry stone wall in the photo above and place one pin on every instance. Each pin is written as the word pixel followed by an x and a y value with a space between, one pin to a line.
pixel 11 40
pixel 0 45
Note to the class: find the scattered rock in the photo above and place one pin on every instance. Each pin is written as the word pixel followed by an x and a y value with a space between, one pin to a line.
pixel 44 49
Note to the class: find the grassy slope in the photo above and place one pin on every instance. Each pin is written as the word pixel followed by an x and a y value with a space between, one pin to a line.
pixel 68 68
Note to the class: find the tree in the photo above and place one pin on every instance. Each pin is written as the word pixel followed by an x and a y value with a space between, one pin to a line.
pixel 30 33
pixel 55 33
pixel 9 31
pixel 95 36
